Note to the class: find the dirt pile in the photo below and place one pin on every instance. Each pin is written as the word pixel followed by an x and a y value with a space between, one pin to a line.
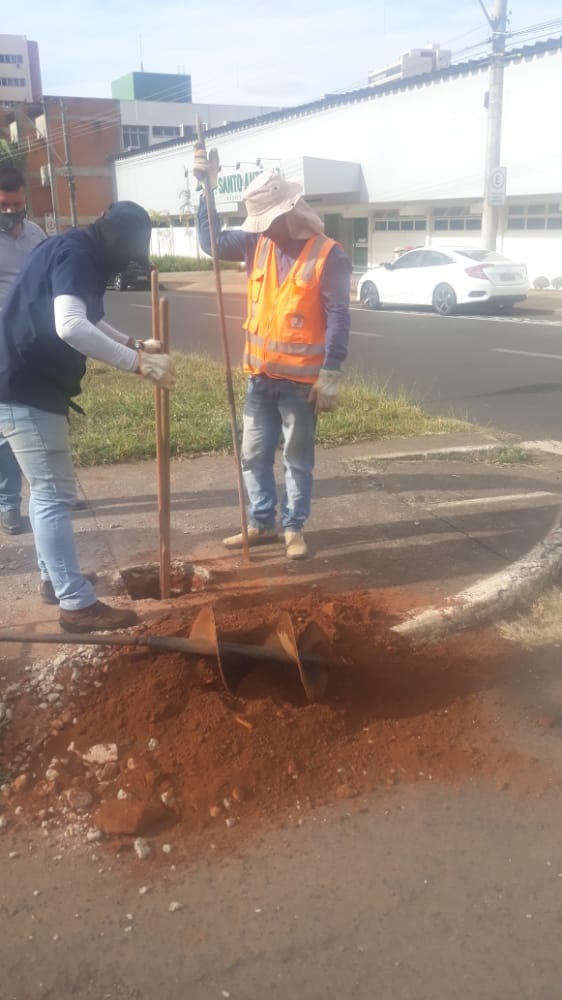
pixel 129 743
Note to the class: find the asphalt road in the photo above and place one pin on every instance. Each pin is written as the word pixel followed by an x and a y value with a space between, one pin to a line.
pixel 499 372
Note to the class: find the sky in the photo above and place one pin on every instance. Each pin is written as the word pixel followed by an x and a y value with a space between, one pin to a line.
pixel 256 53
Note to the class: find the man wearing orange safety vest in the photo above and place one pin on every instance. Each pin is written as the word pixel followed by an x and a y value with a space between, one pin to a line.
pixel 297 333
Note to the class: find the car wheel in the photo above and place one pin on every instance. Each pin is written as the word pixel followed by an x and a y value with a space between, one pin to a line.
pixel 369 295
pixel 118 283
pixel 444 299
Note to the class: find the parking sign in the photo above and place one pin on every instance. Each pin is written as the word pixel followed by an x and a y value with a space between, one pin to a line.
pixel 50 225
pixel 497 186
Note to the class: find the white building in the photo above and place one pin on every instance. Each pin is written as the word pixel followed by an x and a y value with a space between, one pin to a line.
pixel 398 164
pixel 20 75
pixel 412 63
pixel 158 107
pixel 145 123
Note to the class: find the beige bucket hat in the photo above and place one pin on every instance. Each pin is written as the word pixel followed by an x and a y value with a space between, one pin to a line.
pixel 267 197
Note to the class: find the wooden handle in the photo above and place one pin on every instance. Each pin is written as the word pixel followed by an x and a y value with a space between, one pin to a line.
pixel 162 424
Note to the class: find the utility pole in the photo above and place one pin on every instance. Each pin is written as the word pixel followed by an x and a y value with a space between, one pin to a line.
pixel 494 174
pixel 52 175
pixel 67 170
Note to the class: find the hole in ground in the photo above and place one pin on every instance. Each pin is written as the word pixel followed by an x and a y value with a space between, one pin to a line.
pixel 143 582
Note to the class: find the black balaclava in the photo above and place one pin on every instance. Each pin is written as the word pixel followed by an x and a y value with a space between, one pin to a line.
pixel 124 234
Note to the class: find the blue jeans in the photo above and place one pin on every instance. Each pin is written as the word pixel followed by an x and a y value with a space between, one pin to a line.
pixel 40 443
pixel 277 410
pixel 10 479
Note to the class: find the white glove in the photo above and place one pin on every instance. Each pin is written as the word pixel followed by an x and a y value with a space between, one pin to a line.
pixel 325 391
pixel 157 368
pixel 206 165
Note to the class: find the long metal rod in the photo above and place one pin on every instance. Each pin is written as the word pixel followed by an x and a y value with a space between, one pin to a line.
pixel 174 644
pixel 164 498
pixel 210 199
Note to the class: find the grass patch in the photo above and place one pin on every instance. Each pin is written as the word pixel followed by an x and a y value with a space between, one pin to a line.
pixel 119 422
pixel 169 262
pixel 507 455
pixel 541 626
pixel 489 455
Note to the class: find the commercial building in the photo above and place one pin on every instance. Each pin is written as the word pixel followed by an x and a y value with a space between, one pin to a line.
pixel 163 87
pixel 158 107
pixel 68 144
pixel 401 163
pixel 20 73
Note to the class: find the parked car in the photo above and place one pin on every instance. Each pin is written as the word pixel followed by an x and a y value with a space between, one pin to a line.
pixel 134 276
pixel 444 279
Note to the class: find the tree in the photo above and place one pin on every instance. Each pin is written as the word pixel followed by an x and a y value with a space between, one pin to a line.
pixel 12 154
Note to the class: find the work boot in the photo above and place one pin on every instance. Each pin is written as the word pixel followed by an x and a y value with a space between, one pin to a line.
pixel 256 536
pixel 47 591
pixel 11 522
pixel 295 545
pixel 98 617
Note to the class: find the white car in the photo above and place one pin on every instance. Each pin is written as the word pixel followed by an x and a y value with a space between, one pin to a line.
pixel 444 279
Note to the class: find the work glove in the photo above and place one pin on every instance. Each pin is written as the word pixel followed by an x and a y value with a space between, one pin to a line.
pixel 157 368
pixel 206 165
pixel 325 391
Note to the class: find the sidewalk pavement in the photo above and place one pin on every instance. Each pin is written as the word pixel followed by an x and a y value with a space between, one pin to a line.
pixel 404 516
pixel 545 304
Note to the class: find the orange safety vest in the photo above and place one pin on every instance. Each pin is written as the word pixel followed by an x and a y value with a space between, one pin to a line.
pixel 286 324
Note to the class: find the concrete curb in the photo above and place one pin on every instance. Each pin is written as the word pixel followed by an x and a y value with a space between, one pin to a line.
pixel 462 451
pixel 492 596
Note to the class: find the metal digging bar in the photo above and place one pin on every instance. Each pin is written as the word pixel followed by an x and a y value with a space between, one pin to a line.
pixel 310 653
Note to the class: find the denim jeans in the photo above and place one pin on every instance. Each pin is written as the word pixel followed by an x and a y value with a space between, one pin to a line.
pixel 277 411
pixel 10 479
pixel 40 443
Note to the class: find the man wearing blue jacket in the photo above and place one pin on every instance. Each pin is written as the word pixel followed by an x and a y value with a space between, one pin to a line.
pixel 51 323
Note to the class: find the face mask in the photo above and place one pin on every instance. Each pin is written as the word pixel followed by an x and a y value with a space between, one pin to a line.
pixel 9 220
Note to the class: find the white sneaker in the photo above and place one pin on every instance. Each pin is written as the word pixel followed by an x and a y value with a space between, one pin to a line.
pixel 295 545
pixel 256 536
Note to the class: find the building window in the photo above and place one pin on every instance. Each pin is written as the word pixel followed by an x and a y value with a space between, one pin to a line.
pixel 390 221
pixel 535 216
pixel 12 81
pixel 455 219
pixel 167 131
pixel 10 58
pixel 135 136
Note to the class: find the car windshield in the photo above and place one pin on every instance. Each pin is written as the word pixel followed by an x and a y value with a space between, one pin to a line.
pixel 489 255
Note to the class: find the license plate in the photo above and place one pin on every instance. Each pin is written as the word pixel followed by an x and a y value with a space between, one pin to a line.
pixel 507 277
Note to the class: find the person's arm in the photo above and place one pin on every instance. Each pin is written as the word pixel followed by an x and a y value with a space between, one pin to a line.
pixel 232 244
pixel 73 278
pixel 152 346
pixel 73 326
pixel 335 290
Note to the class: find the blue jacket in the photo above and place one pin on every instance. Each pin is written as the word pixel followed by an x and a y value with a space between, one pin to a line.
pixel 36 367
